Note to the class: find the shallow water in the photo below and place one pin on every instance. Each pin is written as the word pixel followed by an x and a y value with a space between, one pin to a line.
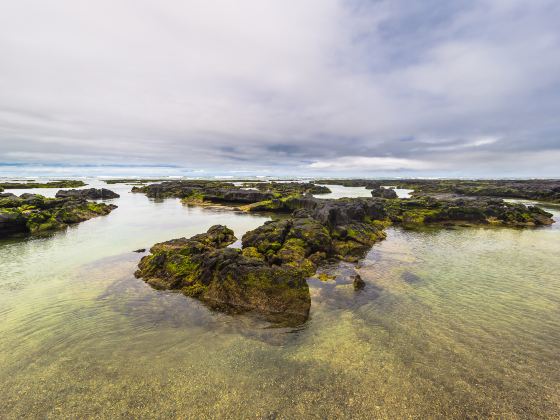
pixel 452 323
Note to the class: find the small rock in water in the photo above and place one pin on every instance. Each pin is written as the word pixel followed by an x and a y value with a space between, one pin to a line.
pixel 140 250
pixel 358 283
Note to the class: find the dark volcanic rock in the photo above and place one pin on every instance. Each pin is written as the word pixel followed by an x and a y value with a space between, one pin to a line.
pixel 89 194
pixel 197 192
pixel 358 282
pixel 235 196
pixel 383 192
pixel 228 278
pixel 51 184
pixel 531 189
pixel 288 188
pixel 33 213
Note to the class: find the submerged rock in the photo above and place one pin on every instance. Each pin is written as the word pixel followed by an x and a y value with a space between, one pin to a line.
pixel 358 282
pixel 469 211
pixel 88 194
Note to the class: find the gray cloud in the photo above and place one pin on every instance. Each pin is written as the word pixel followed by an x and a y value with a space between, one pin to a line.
pixel 360 87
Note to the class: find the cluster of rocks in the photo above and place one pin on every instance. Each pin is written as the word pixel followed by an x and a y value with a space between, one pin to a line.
pixel 466 211
pixel 530 189
pixel 33 213
pixel 288 188
pixel 268 274
pixel 383 192
pixel 217 192
pixel 88 194
pixel 197 192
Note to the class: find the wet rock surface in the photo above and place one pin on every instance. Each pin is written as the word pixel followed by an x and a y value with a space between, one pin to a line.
pixel 33 213
pixel 288 188
pixel 88 194
pixel 383 192
pixel 199 192
pixel 469 211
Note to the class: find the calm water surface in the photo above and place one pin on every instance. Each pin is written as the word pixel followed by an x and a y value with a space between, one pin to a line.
pixel 452 323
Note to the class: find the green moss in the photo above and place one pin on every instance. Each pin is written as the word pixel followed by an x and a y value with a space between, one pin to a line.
pixel 251 252
pixel 325 277
pixel 182 266
pixel 195 290
pixel 195 197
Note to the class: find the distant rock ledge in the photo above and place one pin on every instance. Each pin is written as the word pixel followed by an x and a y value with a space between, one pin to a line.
pixel 88 194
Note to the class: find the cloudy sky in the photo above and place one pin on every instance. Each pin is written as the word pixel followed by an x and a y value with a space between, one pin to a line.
pixel 280 87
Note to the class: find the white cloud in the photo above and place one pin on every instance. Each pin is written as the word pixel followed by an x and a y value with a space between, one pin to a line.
pixel 357 163
pixel 270 83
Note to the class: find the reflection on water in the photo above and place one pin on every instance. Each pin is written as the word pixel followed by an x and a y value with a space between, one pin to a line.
pixel 452 323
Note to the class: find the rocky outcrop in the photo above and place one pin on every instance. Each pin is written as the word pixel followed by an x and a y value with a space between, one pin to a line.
pixel 268 275
pixel 180 189
pixel 88 194
pixel 473 211
pixel 33 213
pixel 383 192
pixel 227 278
pixel 285 189
pixel 199 192
pixel 530 189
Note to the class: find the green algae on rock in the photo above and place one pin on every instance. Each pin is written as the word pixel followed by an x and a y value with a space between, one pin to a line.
pixel 33 213
pixel 199 192
pixel 288 188
pixel 268 275
pixel 227 278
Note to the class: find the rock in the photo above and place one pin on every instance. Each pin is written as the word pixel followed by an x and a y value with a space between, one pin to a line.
pixel 285 189
pixel 139 251
pixel 473 211
pixel 383 192
pixel 89 194
pixel 33 213
pixel 227 278
pixel 358 283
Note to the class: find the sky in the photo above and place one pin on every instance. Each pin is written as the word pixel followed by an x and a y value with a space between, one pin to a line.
pixel 277 87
